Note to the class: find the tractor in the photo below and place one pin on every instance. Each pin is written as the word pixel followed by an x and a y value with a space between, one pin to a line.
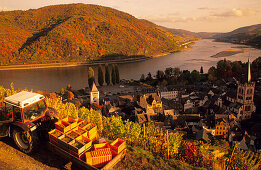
pixel 26 118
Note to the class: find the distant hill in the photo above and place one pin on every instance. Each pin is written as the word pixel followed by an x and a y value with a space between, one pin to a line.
pixel 191 35
pixel 78 32
pixel 250 35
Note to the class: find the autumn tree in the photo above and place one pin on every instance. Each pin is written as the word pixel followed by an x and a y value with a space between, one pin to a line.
pixel 90 77
pixel 107 75
pixel 100 76
pixel 113 74
pixel 212 73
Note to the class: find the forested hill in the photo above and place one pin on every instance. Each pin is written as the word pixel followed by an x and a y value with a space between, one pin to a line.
pixel 250 35
pixel 191 35
pixel 78 32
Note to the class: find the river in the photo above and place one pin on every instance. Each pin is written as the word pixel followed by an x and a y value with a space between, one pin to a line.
pixel 56 78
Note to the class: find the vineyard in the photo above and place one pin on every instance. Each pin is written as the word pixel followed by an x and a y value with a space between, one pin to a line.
pixel 170 147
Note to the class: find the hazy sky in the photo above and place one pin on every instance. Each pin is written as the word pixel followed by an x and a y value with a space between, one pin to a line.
pixel 192 15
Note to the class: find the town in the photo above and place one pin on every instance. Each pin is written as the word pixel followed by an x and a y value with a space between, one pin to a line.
pixel 206 112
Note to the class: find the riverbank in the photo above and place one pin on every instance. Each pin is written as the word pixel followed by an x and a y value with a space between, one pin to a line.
pixel 73 64
pixel 227 53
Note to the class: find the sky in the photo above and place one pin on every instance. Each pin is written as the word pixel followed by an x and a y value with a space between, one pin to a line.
pixel 192 15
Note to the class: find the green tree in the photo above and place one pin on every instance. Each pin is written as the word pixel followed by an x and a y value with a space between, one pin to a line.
pixel 201 70
pixel 100 76
pixel 160 75
pixel 113 74
pixel 194 76
pixel 237 68
pixel 224 69
pixel 117 74
pixel 107 75
pixel 90 77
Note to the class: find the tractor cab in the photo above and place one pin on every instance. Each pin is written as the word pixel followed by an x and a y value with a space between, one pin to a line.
pixel 25 117
pixel 25 107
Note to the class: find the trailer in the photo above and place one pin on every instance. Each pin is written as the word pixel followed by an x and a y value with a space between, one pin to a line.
pixel 79 163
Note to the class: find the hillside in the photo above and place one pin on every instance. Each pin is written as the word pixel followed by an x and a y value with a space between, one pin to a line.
pixel 250 35
pixel 191 35
pixel 78 32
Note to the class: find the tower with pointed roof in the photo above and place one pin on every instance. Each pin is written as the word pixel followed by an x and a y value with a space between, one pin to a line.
pixel 94 95
pixel 245 96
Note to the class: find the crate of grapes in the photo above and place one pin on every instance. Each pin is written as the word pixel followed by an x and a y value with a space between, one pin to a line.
pixel 99 158
pixel 64 141
pixel 73 134
pixel 72 122
pixel 118 145
pixel 54 135
pixel 62 126
pixel 76 147
pixel 91 129
pixel 81 131
pixel 86 141
pixel 83 124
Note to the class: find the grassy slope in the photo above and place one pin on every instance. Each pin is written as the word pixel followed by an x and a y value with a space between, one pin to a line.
pixel 78 32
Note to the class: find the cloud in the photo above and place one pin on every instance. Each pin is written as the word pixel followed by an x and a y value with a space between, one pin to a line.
pixel 237 12
pixel 207 8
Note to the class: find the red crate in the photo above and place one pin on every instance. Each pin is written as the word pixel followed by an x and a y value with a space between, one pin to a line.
pixel 99 157
pixel 81 131
pixel 62 126
pixel 93 136
pixel 71 121
pixel 118 145
pixel 101 146
pixel 87 142
pixel 54 135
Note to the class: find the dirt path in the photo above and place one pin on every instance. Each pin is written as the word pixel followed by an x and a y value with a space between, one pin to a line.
pixel 12 158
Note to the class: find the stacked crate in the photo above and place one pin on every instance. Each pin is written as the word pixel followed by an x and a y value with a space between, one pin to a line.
pixel 75 136
pixel 68 136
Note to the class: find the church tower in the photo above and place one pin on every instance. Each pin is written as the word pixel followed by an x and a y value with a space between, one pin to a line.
pixel 245 96
pixel 94 96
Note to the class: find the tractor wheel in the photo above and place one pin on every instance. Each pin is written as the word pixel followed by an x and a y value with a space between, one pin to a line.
pixel 24 140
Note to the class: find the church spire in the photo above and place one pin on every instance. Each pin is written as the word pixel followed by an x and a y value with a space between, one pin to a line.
pixel 249 72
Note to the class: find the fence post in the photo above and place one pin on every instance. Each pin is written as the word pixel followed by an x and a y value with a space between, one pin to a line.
pixel 168 142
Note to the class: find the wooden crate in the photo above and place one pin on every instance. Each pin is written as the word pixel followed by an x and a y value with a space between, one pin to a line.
pixel 62 126
pixel 99 157
pixel 81 131
pixel 54 135
pixel 78 120
pixel 93 136
pixel 91 129
pixel 73 134
pixel 118 145
pixel 64 141
pixel 86 141
pixel 71 121
pixel 76 147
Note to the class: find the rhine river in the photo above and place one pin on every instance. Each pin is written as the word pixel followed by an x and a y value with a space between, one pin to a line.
pixel 54 79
